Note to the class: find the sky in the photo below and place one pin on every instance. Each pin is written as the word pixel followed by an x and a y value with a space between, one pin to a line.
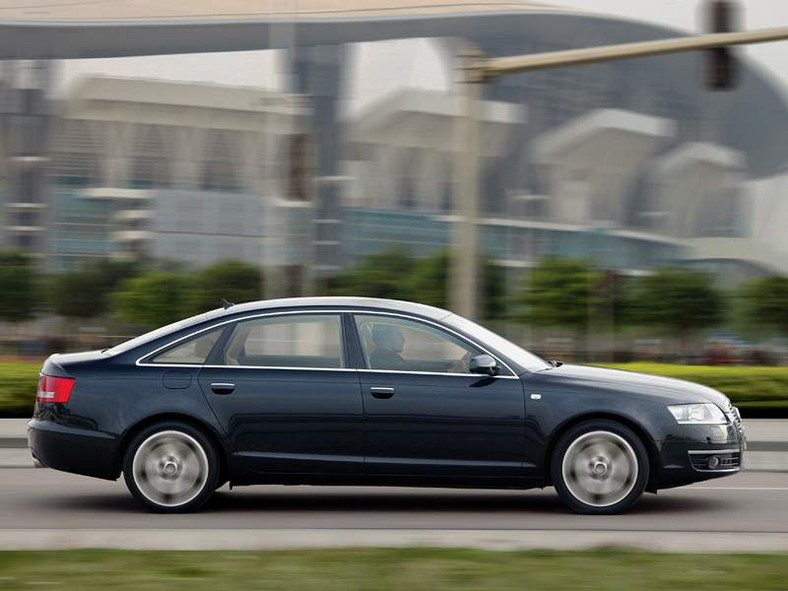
pixel 380 68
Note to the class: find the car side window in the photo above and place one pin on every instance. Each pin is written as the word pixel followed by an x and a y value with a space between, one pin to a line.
pixel 294 340
pixel 193 351
pixel 392 343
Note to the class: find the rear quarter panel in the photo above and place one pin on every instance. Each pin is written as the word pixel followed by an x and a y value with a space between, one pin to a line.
pixel 113 395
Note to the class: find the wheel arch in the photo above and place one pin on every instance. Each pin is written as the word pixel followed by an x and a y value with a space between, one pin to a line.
pixel 635 426
pixel 209 432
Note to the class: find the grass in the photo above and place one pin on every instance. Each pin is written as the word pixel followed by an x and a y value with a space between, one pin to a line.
pixel 383 569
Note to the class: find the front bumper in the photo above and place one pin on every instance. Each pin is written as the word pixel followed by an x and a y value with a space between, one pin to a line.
pixel 75 450
pixel 702 452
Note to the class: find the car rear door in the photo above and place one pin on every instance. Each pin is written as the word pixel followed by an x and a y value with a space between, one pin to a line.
pixel 425 415
pixel 280 387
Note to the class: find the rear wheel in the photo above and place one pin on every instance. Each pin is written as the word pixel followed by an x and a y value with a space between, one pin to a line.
pixel 600 467
pixel 171 468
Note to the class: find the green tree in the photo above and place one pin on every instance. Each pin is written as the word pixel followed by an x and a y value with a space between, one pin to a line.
pixel 17 286
pixel 153 299
pixel 87 293
pixel 396 274
pixel 236 281
pixel 382 275
pixel 430 283
pixel 558 292
pixel 681 301
pixel 765 303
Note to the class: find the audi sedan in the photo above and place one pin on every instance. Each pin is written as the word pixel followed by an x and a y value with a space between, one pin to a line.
pixel 358 391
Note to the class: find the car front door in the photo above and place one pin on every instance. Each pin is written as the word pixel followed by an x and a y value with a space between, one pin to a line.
pixel 280 387
pixel 425 414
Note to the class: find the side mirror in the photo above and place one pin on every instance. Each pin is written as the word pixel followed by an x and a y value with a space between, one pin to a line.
pixel 483 364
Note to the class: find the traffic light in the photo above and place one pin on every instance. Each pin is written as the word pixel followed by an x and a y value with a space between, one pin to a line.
pixel 721 67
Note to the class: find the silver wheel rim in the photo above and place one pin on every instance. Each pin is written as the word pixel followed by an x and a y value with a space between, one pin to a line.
pixel 170 468
pixel 600 468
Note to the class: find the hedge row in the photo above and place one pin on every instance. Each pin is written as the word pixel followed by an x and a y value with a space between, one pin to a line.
pixel 18 384
pixel 755 390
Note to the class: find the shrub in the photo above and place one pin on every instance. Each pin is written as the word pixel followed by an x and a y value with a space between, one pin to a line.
pixel 749 388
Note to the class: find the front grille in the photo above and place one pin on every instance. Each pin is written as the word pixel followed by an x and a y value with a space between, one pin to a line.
pixel 727 460
pixel 733 412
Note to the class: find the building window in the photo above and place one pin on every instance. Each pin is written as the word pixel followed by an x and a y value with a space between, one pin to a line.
pixel 220 161
pixel 150 164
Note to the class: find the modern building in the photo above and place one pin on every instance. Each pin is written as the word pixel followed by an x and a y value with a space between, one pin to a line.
pixel 25 126
pixel 401 184
pixel 174 171
pixel 550 187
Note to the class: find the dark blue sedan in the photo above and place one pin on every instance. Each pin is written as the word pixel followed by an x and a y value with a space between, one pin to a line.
pixel 351 391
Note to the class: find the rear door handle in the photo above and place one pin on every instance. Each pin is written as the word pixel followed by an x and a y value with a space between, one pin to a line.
pixel 222 388
pixel 381 392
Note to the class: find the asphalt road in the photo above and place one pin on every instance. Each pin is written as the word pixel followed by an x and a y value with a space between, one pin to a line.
pixel 747 510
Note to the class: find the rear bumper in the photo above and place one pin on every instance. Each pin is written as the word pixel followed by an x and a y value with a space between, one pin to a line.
pixel 70 449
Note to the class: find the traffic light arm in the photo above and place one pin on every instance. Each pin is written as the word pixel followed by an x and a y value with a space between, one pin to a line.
pixel 478 69
pixel 492 67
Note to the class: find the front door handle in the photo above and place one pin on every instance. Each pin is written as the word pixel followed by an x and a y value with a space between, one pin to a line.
pixel 222 388
pixel 381 392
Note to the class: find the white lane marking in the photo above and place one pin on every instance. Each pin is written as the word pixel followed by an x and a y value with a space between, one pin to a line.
pixel 759 488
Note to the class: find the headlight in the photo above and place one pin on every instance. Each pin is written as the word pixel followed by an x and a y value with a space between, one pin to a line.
pixel 698 414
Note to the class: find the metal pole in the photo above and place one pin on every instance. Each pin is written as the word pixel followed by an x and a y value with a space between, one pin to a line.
pixel 476 70
pixel 465 260
pixel 576 57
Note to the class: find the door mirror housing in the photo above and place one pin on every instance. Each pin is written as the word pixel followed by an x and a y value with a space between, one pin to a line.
pixel 483 364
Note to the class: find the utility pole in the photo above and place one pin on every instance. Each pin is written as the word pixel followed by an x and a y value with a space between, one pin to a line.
pixel 465 267
pixel 478 69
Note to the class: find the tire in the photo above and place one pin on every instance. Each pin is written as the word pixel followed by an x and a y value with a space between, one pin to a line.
pixel 171 467
pixel 599 467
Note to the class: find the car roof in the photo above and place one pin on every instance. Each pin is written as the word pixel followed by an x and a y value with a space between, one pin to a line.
pixel 314 303
pixel 339 302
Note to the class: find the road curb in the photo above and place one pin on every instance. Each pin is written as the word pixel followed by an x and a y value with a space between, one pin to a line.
pixel 290 539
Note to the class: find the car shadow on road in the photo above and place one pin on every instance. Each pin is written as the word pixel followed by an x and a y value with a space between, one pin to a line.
pixel 415 502
pixel 326 500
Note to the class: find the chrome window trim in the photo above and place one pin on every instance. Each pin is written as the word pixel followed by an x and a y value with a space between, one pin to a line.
pixel 141 363
pixel 437 373
pixel 153 353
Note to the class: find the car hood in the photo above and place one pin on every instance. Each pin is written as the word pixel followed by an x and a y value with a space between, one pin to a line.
pixel 671 390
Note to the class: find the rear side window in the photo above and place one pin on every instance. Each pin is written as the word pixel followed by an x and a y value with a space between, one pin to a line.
pixel 308 341
pixel 192 351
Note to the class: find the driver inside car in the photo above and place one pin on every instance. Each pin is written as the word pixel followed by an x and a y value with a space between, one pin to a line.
pixel 389 343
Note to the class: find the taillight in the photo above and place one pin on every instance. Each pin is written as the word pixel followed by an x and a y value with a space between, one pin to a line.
pixel 54 388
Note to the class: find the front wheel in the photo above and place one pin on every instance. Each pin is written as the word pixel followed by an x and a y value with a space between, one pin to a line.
pixel 600 467
pixel 171 468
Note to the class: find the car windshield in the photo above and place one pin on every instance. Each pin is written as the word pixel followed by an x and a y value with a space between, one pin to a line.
pixel 164 330
pixel 514 352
